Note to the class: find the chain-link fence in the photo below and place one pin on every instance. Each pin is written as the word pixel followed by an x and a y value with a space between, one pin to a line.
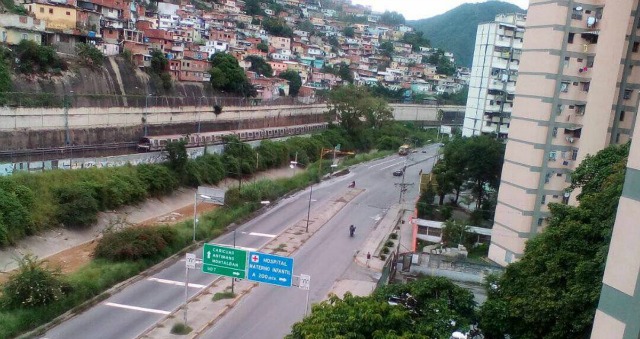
pixel 51 100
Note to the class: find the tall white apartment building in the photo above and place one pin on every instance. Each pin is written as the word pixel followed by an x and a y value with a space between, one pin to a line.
pixel 494 73
pixel 577 93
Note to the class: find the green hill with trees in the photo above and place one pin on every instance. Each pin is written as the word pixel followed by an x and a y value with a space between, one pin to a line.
pixel 455 30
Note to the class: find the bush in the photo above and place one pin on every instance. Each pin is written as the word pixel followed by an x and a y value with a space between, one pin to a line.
pixel 15 219
pixel 32 285
pixel 156 179
pixel 135 243
pixel 90 55
pixel 35 58
pixel 385 250
pixel 393 236
pixel 383 257
pixel 180 329
pixel 389 243
pixel 77 206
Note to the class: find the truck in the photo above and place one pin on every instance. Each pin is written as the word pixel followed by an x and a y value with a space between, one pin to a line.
pixel 404 149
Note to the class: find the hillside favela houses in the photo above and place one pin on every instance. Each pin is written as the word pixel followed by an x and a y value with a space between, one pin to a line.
pixel 313 40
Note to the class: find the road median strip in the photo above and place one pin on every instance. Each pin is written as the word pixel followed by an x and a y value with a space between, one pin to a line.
pixel 292 238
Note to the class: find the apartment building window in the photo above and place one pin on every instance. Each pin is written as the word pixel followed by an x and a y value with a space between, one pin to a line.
pixel 68 13
pixel 564 87
pixel 590 60
pixel 25 36
pixel 570 38
pixel 574 154
pixel 552 156
pixel 41 10
pixel 579 59
pixel 50 10
pixel 566 61
pixel 617 138
pixel 627 94
pixel 540 221
pixel 585 86
pixel 543 200
pixel 555 132
pixel 621 115
pixel 635 47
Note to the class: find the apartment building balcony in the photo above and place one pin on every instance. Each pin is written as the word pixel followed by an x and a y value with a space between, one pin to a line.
pixel 503 42
pixel 514 66
pixel 496 85
pixel 517 44
pixel 492 108
pixel 499 63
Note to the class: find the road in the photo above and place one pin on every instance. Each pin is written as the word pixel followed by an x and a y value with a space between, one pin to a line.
pixel 268 311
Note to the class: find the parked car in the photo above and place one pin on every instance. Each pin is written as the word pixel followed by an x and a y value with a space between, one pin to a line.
pixel 398 173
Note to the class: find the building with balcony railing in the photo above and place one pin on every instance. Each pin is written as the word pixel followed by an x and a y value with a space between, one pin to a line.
pixel 577 93
pixel 492 82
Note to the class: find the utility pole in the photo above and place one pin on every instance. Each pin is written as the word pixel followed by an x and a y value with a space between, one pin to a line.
pixel 403 185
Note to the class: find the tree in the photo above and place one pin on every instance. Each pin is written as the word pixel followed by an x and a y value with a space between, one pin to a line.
pixel 414 317
pixel 262 47
pixel 391 18
pixel 553 290
pixel 295 82
pixel 307 26
pixel 386 49
pixel 349 32
pixel 89 54
pixel 357 109
pixel 259 66
pixel 455 233
pixel 426 209
pixel 227 75
pixel 345 73
pixel 277 27
pixel 416 40
pixel 252 7
pixel 177 155
pixel 484 164
pixel 5 78
pixel 159 62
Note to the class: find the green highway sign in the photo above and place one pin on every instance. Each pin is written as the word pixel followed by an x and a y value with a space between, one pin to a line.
pixel 223 260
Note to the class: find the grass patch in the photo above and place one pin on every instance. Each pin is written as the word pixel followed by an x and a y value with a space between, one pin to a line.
pixel 180 329
pixel 223 295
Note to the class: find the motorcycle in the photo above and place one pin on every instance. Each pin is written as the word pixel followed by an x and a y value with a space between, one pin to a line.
pixel 352 230
pixel 352 184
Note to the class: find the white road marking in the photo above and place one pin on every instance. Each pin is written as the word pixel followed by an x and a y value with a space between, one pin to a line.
pixel 377 217
pixel 250 249
pixel 135 308
pixel 382 163
pixel 396 164
pixel 262 235
pixel 177 283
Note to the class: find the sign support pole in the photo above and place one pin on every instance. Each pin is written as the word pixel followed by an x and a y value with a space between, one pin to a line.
pixel 186 294
pixel 306 307
pixel 234 246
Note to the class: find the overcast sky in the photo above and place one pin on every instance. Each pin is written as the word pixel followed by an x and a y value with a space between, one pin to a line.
pixel 420 9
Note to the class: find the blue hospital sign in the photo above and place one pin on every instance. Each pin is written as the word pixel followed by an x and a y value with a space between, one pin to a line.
pixel 270 269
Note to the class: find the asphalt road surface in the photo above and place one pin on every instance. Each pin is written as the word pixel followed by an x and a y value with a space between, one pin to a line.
pixel 268 311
